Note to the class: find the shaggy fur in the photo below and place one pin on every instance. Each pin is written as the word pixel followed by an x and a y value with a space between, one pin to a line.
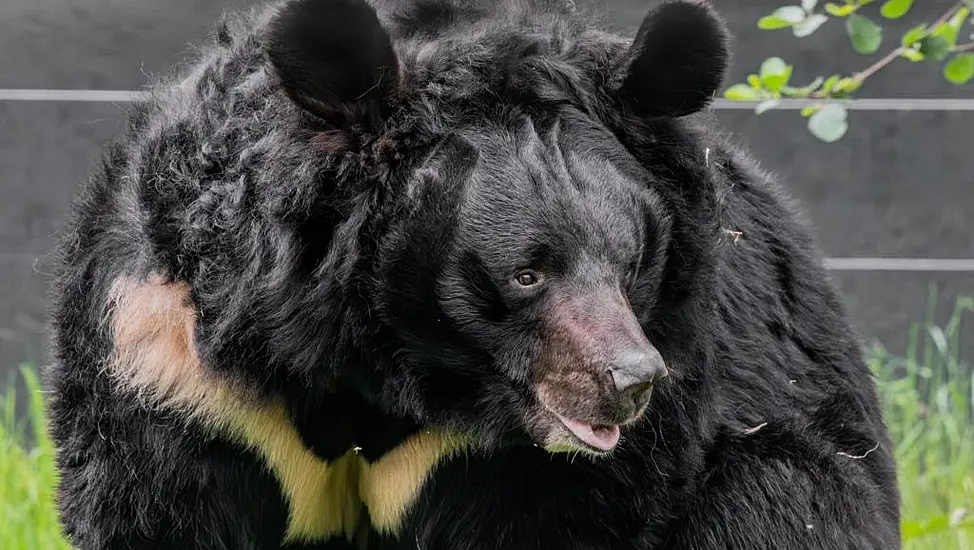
pixel 360 274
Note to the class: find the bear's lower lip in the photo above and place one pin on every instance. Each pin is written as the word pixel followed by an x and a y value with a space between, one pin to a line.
pixel 603 438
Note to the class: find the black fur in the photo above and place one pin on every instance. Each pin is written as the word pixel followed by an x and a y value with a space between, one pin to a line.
pixel 352 199
pixel 679 59
pixel 334 59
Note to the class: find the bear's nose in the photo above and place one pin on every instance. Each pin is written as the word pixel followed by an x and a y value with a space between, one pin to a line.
pixel 634 372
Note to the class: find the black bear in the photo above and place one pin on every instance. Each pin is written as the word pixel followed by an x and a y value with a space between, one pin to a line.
pixel 454 274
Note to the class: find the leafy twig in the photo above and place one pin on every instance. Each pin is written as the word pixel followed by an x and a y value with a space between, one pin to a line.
pixel 861 76
pixel 827 119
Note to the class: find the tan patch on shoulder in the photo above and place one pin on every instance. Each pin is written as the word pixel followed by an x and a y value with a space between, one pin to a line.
pixel 155 354
pixel 153 323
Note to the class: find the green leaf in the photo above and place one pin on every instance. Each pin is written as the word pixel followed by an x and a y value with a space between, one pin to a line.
pixel 951 28
pixel 770 23
pixel 894 9
pixel 754 80
pixel 912 55
pixel 742 92
pixel 959 17
pixel 792 14
pixel 809 5
pixel 847 85
pixel 810 110
pixel 782 17
pixel 960 69
pixel 830 83
pixel 840 11
pixel 829 123
pixel 946 33
pixel 935 47
pixel 913 35
pixel 957 21
pixel 765 105
pixel 866 36
pixel 809 25
pixel 773 66
pixel 775 73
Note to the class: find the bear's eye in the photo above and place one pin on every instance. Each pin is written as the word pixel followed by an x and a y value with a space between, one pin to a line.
pixel 528 278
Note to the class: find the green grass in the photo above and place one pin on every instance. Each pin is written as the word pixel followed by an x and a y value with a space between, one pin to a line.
pixel 928 398
pixel 27 475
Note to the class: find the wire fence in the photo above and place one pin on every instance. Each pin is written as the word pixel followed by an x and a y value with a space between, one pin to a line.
pixel 835 264
pixel 864 104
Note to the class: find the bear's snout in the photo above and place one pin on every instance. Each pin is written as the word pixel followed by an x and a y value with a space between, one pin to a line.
pixel 596 368
pixel 634 371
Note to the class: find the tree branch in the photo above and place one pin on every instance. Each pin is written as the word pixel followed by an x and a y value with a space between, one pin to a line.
pixel 946 17
pixel 878 66
pixel 869 71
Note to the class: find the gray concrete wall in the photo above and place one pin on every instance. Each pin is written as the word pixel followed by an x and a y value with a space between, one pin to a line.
pixel 899 185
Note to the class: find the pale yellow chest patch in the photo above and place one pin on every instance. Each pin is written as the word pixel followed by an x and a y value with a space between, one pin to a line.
pixel 155 356
pixel 389 486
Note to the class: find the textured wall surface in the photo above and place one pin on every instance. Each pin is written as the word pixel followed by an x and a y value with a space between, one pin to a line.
pixel 899 185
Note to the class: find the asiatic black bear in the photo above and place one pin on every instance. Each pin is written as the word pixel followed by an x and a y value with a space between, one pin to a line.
pixel 454 275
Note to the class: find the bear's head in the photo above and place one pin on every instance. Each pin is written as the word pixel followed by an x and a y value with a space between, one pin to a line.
pixel 538 243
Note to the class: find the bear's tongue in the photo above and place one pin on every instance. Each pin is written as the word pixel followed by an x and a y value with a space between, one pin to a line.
pixel 601 437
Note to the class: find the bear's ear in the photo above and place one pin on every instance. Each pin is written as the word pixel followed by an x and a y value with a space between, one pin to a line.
pixel 334 59
pixel 677 61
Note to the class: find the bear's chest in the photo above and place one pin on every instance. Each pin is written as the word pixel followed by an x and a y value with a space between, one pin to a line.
pixel 344 468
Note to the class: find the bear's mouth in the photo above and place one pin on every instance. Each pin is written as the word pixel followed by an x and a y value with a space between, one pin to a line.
pixel 598 437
